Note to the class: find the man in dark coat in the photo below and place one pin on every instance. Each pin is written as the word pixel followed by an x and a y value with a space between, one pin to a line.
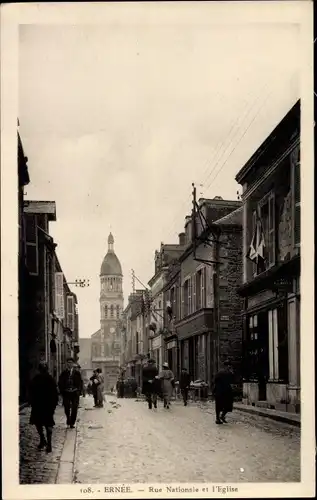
pixel 43 400
pixel 94 387
pixel 120 387
pixel 223 393
pixel 150 385
pixel 70 386
pixel 184 383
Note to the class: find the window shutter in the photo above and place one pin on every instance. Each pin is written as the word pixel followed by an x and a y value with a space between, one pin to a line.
pixel 189 296
pixel 31 243
pixel 59 295
pixel 254 265
pixel 194 293
pixel 203 287
pixel 70 312
pixel 271 224
pixel 182 301
pixel 297 203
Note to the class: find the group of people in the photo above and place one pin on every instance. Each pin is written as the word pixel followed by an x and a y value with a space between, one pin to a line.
pixel 161 384
pixel 44 396
pixel 44 393
pixel 97 384
pixel 157 383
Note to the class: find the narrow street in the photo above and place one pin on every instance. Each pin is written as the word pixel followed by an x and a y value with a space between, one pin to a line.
pixel 127 442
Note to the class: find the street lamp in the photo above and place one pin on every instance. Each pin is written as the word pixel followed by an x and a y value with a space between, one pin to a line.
pixel 79 282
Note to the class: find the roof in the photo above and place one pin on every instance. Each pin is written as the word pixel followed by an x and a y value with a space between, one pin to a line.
pixel 111 265
pixel 275 139
pixel 96 334
pixel 40 207
pixel 234 218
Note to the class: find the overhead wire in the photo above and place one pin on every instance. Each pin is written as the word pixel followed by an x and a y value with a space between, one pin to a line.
pixel 235 122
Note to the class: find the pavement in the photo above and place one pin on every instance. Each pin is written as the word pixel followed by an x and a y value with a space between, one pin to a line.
pixel 125 442
pixel 38 467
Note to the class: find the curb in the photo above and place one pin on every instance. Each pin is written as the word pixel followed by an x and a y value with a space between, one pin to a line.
pixel 271 414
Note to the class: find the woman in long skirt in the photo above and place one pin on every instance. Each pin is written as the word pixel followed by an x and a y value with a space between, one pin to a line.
pixel 43 399
pixel 100 388
pixel 167 377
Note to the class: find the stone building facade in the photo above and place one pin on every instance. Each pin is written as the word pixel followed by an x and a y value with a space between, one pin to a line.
pixel 48 308
pixel 106 342
pixel 209 326
pixel 164 258
pixel 271 280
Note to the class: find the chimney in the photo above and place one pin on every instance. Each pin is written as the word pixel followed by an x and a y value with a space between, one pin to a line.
pixel 182 239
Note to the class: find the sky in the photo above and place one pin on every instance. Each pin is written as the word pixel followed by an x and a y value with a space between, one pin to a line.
pixel 118 120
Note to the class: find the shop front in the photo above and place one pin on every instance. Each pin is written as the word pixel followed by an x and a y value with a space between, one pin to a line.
pixel 194 334
pixel 272 346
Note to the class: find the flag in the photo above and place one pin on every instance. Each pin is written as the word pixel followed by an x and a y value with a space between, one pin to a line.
pixel 256 249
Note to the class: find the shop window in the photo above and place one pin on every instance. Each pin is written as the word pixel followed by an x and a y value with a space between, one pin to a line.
pixel 278 344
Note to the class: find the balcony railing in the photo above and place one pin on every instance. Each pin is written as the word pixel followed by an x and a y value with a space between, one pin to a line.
pixel 196 323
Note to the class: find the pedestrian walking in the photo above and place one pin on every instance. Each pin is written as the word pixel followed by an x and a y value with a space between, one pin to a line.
pixel 120 387
pixel 100 387
pixel 167 378
pixel 70 386
pixel 93 386
pixel 43 400
pixel 223 393
pixel 150 383
pixel 184 384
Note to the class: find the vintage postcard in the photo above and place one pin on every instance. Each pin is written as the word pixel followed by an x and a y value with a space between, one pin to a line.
pixel 157 250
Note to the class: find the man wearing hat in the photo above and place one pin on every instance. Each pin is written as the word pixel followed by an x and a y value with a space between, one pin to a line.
pixel 150 383
pixel 70 386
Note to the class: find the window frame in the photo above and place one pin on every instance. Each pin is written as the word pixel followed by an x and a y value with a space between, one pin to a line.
pixel 269 234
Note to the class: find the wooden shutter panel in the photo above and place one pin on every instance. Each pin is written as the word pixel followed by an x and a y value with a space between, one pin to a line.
pixel 59 295
pixel 194 293
pixel 70 312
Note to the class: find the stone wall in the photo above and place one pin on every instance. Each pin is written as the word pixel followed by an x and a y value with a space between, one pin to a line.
pixel 231 304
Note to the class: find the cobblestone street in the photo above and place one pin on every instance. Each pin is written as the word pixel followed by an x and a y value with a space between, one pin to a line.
pixel 127 442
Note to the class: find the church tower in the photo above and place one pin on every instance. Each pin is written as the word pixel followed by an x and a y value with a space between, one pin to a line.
pixel 111 307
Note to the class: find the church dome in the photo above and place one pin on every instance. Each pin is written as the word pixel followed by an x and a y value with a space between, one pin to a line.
pixel 111 264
